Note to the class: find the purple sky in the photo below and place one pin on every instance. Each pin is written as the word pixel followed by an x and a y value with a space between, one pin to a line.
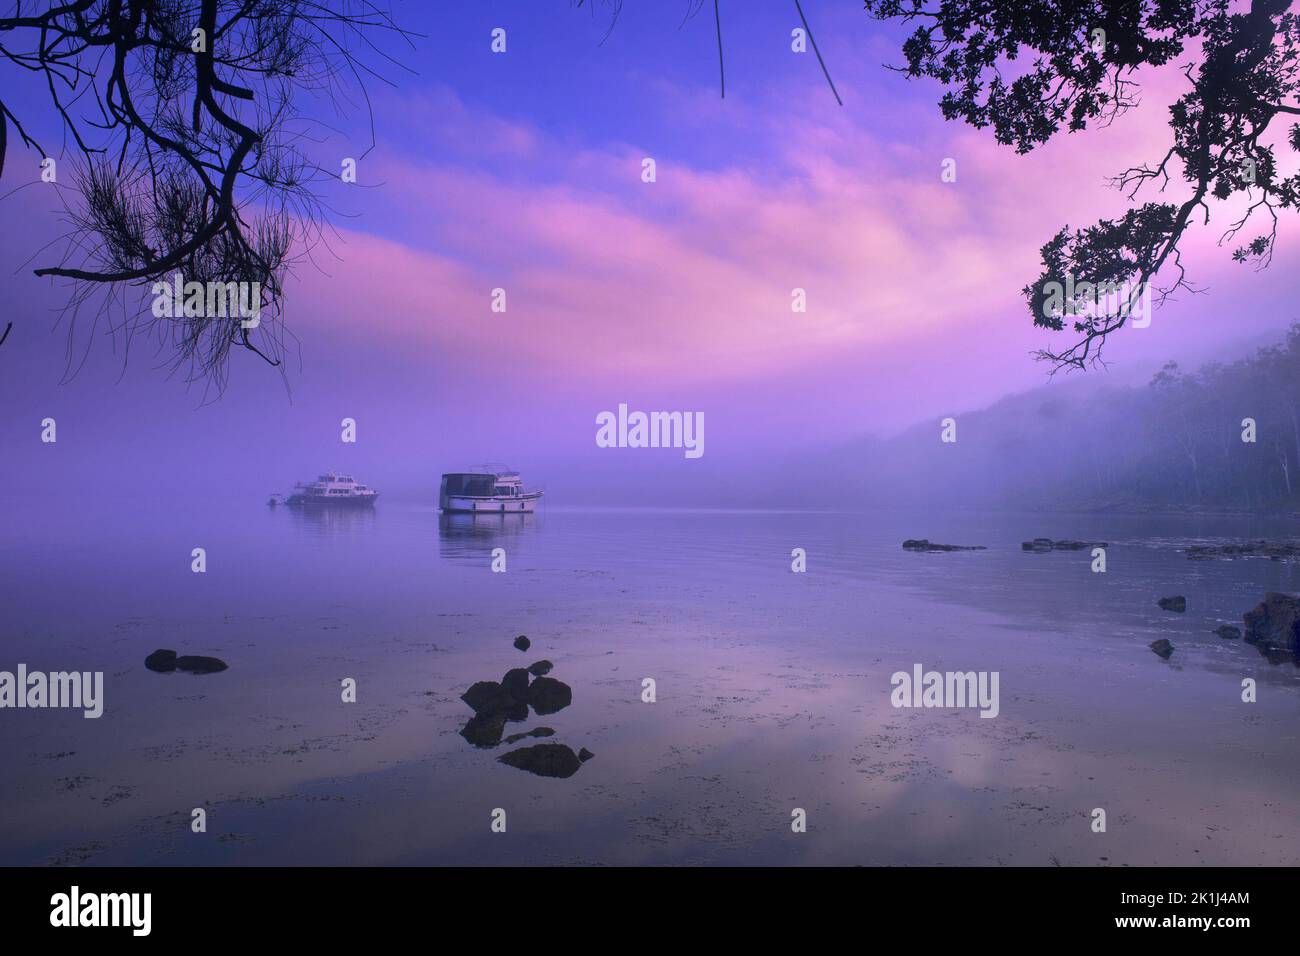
pixel 522 171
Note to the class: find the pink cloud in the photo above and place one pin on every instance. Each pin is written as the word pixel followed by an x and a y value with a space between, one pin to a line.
pixel 688 280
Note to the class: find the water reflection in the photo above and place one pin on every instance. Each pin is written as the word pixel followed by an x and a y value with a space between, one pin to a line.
pixel 321 520
pixel 466 535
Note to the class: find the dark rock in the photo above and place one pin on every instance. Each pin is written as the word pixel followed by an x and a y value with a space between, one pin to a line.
pixel 1162 647
pixel 540 669
pixel 484 730
pixel 483 696
pixel 1177 604
pixel 197 664
pixel 547 695
pixel 515 683
pixel 161 660
pixel 924 544
pixel 487 697
pixel 545 760
pixel 535 732
pixel 584 755
pixel 523 643
pixel 1228 632
pixel 1275 622
pixel 1275 655
pixel 1041 545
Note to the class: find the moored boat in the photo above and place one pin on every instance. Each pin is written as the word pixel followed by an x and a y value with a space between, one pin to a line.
pixel 333 490
pixel 485 492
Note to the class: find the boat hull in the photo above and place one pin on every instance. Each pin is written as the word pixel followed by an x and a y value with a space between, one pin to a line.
pixel 337 501
pixel 466 504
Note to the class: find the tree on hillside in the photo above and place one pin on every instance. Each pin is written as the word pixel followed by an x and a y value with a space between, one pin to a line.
pixel 1029 69
pixel 183 149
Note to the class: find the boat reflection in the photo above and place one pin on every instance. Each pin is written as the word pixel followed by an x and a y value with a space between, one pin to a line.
pixel 323 520
pixel 466 535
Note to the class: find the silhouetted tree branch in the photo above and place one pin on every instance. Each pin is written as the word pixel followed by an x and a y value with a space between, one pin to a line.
pixel 1029 69
pixel 189 152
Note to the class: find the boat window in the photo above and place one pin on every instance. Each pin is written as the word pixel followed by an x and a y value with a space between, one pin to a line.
pixel 467 484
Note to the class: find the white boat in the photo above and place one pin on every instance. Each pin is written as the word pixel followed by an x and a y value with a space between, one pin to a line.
pixel 486 492
pixel 332 489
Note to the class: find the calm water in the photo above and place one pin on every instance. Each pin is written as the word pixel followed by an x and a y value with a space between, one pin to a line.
pixel 772 689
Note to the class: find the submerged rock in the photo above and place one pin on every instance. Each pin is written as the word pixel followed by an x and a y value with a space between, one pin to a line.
pixel 540 669
pixel 1228 632
pixel 545 760
pixel 523 643
pixel 925 544
pixel 547 695
pixel 1041 545
pixel 1162 647
pixel 1177 604
pixel 1275 622
pixel 165 661
pixel 535 732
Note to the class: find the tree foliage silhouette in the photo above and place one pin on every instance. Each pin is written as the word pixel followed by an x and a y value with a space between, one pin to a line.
pixel 1029 69
pixel 189 150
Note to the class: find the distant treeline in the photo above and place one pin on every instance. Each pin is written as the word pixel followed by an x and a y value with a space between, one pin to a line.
pixel 1225 437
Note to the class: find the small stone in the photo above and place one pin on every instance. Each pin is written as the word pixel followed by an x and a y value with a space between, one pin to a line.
pixel 540 669
pixel 1162 647
pixel 523 643
pixel 1177 604
pixel 584 755
pixel 162 661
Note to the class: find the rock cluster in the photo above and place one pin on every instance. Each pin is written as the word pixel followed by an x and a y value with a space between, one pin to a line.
pixel 495 703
